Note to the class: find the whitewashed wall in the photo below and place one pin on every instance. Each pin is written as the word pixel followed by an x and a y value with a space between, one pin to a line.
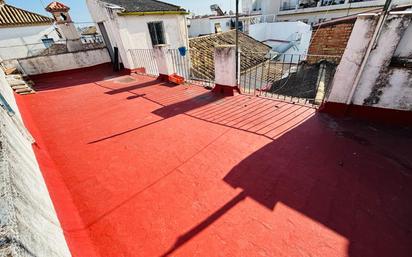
pixel 381 85
pixel 62 62
pixel 131 32
pixel 199 26
pixel 20 42
pixel 225 65
pixel 28 221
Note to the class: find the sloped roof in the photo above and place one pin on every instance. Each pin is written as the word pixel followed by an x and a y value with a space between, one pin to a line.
pixel 253 52
pixel 145 6
pixel 57 7
pixel 11 16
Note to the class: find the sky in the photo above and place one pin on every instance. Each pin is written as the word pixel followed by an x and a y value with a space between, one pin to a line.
pixel 80 13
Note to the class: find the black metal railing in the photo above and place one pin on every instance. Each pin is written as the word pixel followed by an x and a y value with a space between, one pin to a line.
pixel 144 60
pixel 202 73
pixel 291 77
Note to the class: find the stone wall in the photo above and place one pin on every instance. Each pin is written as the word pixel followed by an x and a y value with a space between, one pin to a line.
pixel 28 221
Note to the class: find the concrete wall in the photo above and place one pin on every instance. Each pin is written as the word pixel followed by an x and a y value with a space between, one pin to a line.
pixel 131 32
pixel 225 65
pixel 381 85
pixel 21 42
pixel 62 62
pixel 28 222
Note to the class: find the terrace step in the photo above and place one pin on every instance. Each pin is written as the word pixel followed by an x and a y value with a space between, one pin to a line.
pixel 20 84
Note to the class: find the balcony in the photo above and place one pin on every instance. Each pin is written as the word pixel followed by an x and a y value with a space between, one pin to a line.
pixel 136 166
pixel 310 6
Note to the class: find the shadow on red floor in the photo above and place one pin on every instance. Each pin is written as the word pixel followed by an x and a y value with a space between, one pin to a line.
pixel 140 168
pixel 340 180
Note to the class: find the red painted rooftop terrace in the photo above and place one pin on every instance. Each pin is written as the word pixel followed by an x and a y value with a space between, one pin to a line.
pixel 137 167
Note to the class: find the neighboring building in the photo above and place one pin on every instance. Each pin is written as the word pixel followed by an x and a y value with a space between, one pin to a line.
pixel 209 24
pixel 263 7
pixel 330 38
pixel 312 11
pixel 253 52
pixel 90 34
pixel 24 33
pixel 139 24
pixel 289 38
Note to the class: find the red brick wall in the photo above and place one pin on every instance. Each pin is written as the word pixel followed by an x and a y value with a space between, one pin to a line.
pixel 330 40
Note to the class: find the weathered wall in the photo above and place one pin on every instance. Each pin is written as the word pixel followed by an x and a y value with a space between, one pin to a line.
pixel 330 40
pixel 381 85
pixel 28 222
pixel 131 32
pixel 61 62
pixel 225 65
pixel 20 42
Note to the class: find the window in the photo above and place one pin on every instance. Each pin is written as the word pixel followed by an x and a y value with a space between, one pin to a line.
pixel 218 28
pixel 48 42
pixel 157 33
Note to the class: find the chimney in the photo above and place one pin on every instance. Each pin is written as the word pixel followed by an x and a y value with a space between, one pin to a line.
pixel 65 24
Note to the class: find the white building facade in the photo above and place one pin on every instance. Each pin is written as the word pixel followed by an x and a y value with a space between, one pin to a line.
pixel 139 25
pixel 24 33
pixel 313 11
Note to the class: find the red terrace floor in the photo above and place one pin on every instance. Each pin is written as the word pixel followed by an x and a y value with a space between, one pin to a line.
pixel 140 168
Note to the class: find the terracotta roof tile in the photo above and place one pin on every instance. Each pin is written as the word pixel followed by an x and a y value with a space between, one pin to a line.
pixel 57 6
pixel 145 5
pixel 253 52
pixel 11 16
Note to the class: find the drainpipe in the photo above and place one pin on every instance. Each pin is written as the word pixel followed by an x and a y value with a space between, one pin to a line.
pixel 371 46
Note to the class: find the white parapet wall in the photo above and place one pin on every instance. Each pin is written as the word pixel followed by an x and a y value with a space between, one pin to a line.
pixel 62 62
pixel 28 222
pixel 381 84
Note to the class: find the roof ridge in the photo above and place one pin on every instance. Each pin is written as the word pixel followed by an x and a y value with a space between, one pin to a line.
pixel 168 4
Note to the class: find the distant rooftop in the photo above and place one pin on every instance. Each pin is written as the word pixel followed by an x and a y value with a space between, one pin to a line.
pixel 145 6
pixel 253 51
pixel 11 16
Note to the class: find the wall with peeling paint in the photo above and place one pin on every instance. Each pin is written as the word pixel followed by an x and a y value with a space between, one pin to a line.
pixel 62 62
pixel 381 84
pixel 28 221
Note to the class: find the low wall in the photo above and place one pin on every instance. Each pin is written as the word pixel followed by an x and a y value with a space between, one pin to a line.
pixel 28 222
pixel 61 62
pixel 383 87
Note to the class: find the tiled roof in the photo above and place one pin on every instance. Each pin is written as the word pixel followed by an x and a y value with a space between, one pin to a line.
pixel 253 52
pixel 57 7
pixel 11 16
pixel 91 30
pixel 145 6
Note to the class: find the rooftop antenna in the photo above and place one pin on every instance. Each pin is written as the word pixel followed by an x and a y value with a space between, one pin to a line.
pixel 216 8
